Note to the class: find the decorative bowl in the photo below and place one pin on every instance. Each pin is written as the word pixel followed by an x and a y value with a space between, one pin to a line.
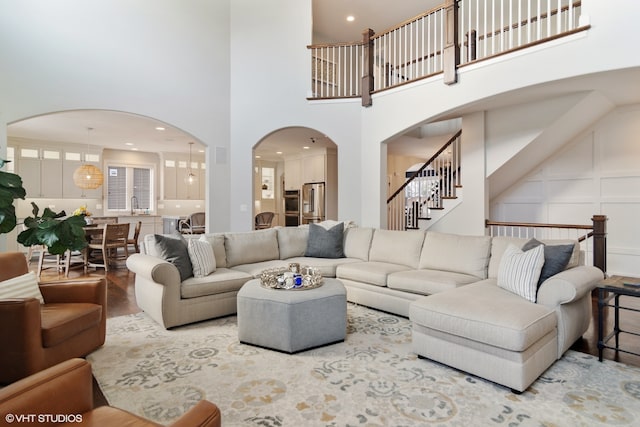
pixel 283 278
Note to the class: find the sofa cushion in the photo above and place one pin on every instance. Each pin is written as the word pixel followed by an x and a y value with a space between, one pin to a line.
pixel 357 242
pixel 325 243
pixel 397 247
pixel 371 272
pixel 251 246
pixel 519 271
pixel 292 241
pixel 221 281
pixel 327 266
pixel 216 240
pixel 485 313
pixel 24 286
pixel 202 258
pixel 61 321
pixel 175 251
pixel 456 253
pixel 427 282
pixel 254 269
pixel 556 258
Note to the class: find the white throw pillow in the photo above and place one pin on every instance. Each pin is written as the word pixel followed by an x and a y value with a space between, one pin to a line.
pixel 25 286
pixel 519 271
pixel 202 258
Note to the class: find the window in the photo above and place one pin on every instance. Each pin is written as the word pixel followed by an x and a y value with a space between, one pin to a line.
pixel 129 188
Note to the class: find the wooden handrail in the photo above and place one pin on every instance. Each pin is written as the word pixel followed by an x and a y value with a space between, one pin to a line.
pixel 598 233
pixel 489 223
pixel 424 166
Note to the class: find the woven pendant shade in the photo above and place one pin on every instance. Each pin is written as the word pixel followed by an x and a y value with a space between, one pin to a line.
pixel 88 177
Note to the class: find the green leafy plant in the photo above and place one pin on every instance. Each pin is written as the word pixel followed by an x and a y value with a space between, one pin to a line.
pixel 54 231
pixel 10 189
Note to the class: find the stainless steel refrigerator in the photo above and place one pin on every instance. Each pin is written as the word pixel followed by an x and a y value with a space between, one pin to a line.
pixel 313 202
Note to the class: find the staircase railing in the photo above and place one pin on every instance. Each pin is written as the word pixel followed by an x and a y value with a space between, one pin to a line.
pixel 437 41
pixel 592 238
pixel 426 188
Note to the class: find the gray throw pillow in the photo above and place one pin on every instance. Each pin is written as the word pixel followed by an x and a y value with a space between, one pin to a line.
pixel 324 243
pixel 556 258
pixel 175 251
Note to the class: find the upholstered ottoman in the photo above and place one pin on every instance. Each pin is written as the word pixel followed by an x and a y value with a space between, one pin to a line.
pixel 292 320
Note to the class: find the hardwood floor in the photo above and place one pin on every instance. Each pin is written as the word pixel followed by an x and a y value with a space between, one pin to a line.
pixel 121 301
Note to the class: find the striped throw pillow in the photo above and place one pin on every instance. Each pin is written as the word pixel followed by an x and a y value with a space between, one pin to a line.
pixel 519 271
pixel 25 286
pixel 202 258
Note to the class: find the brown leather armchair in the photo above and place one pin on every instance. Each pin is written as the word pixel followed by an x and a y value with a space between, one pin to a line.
pixel 33 336
pixel 66 391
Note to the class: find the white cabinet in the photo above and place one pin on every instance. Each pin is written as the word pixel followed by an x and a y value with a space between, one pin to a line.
pixel 292 174
pixel 175 171
pixel 151 224
pixel 314 168
pixel 41 172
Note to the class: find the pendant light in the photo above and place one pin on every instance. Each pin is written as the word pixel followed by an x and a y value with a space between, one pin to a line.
pixel 88 177
pixel 191 177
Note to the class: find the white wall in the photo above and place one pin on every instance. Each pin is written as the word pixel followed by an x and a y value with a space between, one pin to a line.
pixel 270 79
pixel 598 172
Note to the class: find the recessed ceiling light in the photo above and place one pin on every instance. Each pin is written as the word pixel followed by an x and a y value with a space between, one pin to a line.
pixel 305 148
pixel 278 152
pixel 134 149
pixel 200 151
pixel 257 157
pixel 159 128
pixel 128 143
pixel 351 18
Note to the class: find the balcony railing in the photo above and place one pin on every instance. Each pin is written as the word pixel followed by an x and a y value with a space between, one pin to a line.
pixel 438 41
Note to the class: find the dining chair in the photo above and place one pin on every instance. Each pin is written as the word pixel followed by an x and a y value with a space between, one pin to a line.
pixel 263 220
pixel 114 237
pixel 136 235
pixel 44 257
pixel 193 224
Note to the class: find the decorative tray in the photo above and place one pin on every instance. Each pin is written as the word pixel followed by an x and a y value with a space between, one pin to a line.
pixel 294 278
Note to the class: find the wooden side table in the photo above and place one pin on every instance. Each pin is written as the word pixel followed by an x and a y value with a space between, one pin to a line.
pixel 612 289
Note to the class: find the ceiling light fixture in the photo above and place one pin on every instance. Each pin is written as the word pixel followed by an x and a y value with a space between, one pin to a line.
pixel 351 18
pixel 88 177
pixel 191 177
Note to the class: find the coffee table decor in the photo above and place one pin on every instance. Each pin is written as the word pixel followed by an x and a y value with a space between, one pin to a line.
pixel 293 278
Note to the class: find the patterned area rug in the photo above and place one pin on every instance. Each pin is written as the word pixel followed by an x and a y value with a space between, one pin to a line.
pixel 372 379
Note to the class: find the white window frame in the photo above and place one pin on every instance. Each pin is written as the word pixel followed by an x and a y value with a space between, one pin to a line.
pixel 129 186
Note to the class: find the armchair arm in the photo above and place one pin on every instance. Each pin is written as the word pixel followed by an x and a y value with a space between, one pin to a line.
pixel 19 327
pixel 569 285
pixel 204 414
pixel 66 388
pixel 154 269
pixel 85 290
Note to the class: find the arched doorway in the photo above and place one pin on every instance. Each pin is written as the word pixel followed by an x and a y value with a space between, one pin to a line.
pixel 285 165
pixel 151 158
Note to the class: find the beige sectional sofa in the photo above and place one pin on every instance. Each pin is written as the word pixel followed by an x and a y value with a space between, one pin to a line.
pixel 445 283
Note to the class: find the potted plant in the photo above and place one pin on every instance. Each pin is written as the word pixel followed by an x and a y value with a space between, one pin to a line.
pixel 52 229
pixel 10 189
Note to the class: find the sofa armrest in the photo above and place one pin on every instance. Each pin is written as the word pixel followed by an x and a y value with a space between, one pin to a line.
pixel 569 285
pixel 204 414
pixel 85 290
pixel 66 388
pixel 154 269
